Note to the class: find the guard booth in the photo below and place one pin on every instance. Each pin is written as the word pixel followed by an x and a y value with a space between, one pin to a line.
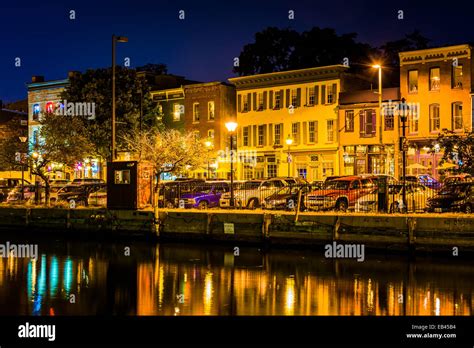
pixel 129 185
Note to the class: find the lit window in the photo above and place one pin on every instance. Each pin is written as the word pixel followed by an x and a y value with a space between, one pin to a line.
pixel 349 121
pixel 311 96
pixel 331 93
pixel 457 76
pixel 245 101
pixel 277 100
pixel 388 114
pixel 413 81
pixel 122 177
pixel 434 79
pixel 36 112
pixel 271 170
pixel 176 112
pixel 245 135
pixel 277 134
pixel 295 132
pixel 457 116
pixel 434 118
pixel 413 118
pixel 260 135
pixel 294 98
pixel 210 133
pixel 210 108
pixel 260 101
pixel 49 107
pixel 196 112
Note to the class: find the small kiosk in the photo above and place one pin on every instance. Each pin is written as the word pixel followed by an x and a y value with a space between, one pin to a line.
pixel 129 185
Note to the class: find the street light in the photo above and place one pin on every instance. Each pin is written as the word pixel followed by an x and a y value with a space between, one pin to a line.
pixel 403 110
pixel 289 141
pixel 115 39
pixel 231 127
pixel 379 67
pixel 208 144
pixel 23 140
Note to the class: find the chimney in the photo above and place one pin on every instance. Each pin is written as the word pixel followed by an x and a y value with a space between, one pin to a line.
pixel 35 79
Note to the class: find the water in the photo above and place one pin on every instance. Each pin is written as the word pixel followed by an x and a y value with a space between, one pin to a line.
pixel 79 278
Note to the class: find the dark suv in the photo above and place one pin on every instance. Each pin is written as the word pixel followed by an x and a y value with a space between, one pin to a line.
pixel 454 197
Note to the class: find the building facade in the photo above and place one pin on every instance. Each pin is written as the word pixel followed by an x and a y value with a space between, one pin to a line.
pixel 289 121
pixel 437 84
pixel 369 132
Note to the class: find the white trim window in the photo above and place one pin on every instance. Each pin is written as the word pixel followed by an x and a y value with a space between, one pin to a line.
pixel 330 131
pixel 211 110
pixel 196 112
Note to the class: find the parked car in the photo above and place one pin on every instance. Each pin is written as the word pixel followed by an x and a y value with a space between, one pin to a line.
pixel 84 181
pixel 14 196
pixel 287 198
pixel 170 192
pixel 59 182
pixel 457 178
pixel 417 196
pixel 98 198
pixel 206 197
pixel 293 180
pixel 252 193
pixel 453 197
pixel 340 194
pixel 78 193
pixel 429 181
pixel 7 184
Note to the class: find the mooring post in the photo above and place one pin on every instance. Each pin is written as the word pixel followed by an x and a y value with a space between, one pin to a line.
pixel 337 226
pixel 267 220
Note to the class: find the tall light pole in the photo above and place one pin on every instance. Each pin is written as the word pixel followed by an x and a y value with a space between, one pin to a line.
pixel 379 67
pixel 289 141
pixel 403 111
pixel 231 127
pixel 208 144
pixel 22 158
pixel 115 39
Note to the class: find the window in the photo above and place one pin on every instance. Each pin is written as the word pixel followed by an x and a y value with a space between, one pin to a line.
pixel 457 116
pixel 413 81
pixel 176 112
pixel 196 112
pixel 328 169
pixel 295 132
pixel 122 177
pixel 330 130
pixel 349 121
pixel 278 99
pixel 259 101
pixel 311 96
pixel 210 110
pixel 245 102
pixel 294 97
pixel 272 170
pixel 302 171
pixel 260 135
pixel 413 118
pixel 434 79
pixel 49 107
pixel 388 114
pixel 313 131
pixel 367 123
pixel 434 118
pixel 36 112
pixel 245 136
pixel 278 134
pixel 331 95
pixel 210 133
pixel 456 77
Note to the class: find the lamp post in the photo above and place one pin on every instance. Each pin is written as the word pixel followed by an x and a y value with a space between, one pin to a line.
pixel 289 141
pixel 403 110
pixel 208 144
pixel 231 127
pixel 115 39
pixel 23 140
pixel 379 67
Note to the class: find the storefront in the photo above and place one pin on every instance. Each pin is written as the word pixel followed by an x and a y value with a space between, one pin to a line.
pixel 368 159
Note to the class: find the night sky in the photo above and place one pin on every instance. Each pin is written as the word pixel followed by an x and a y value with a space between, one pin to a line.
pixel 202 46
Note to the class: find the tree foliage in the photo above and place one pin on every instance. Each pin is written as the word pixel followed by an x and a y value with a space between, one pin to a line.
pixel 458 149
pixel 95 86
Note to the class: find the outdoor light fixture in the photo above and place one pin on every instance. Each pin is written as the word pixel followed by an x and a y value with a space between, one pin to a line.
pixel 231 127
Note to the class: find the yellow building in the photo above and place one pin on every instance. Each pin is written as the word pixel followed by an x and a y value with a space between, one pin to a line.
pixel 301 105
pixel 369 141
pixel 437 84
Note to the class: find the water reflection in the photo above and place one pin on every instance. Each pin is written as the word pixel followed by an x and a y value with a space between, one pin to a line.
pixel 89 279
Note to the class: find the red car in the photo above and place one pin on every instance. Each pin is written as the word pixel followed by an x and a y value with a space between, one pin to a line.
pixel 340 194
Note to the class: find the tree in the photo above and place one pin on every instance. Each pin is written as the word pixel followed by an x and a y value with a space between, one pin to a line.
pixel 61 139
pixel 95 86
pixel 169 151
pixel 285 49
pixel 459 150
